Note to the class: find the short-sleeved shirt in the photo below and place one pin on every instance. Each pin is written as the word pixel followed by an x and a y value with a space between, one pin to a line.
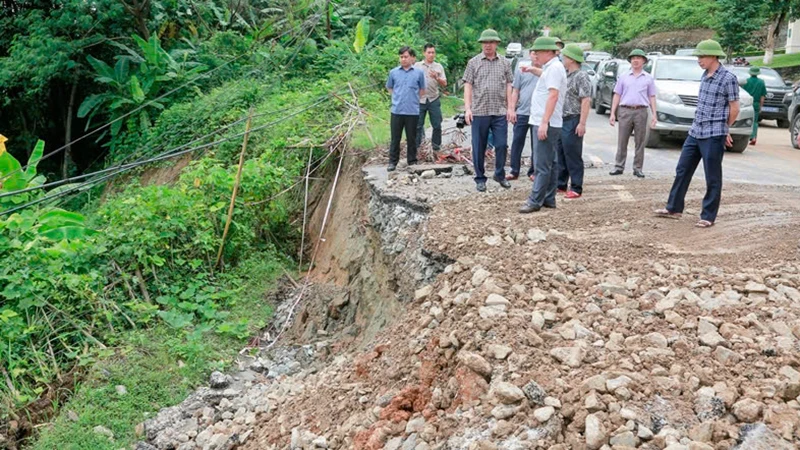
pixel 579 86
pixel 554 76
pixel 405 85
pixel 756 88
pixel 489 78
pixel 524 82
pixel 431 85
pixel 713 107
pixel 635 90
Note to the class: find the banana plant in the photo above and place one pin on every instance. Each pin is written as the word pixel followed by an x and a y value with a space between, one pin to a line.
pixel 138 77
pixel 14 178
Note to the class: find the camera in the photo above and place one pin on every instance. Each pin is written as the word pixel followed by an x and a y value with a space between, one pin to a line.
pixel 461 120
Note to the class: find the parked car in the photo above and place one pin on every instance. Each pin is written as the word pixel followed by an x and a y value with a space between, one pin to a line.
pixel 774 108
pixel 678 85
pixel 513 49
pixel 604 94
pixel 793 114
pixel 593 57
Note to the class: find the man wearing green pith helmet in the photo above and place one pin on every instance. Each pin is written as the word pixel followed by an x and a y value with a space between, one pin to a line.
pixel 717 109
pixel 758 89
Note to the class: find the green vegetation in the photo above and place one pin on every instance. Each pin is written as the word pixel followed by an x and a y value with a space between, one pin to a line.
pixel 622 20
pixel 158 367
pixel 779 61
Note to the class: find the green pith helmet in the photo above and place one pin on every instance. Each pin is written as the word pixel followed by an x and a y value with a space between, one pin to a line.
pixel 558 41
pixel 709 47
pixel 637 52
pixel 755 71
pixel 544 43
pixel 489 35
pixel 573 52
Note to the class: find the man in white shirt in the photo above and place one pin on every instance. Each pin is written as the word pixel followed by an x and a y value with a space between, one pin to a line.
pixel 547 107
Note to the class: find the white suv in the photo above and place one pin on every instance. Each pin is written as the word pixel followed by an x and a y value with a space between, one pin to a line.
pixel 678 85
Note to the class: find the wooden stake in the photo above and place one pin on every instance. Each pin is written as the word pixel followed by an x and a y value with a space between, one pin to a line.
pixel 235 189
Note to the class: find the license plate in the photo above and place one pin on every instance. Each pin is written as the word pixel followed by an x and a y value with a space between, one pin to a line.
pixel 770 109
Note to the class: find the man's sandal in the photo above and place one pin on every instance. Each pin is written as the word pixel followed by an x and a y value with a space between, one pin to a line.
pixel 667 214
pixel 704 224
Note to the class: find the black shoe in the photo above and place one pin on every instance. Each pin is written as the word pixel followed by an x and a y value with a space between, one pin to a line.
pixel 481 186
pixel 505 184
pixel 413 163
pixel 528 208
pixel 549 206
pixel 615 172
pixel 391 167
pixel 638 173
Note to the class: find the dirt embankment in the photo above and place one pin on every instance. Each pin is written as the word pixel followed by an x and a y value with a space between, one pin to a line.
pixel 442 319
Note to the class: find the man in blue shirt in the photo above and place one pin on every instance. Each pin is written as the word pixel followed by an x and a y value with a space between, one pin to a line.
pixel 717 109
pixel 406 84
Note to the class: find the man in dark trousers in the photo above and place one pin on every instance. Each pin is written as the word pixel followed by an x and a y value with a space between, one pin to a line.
pixel 407 86
pixel 547 111
pixel 717 109
pixel 430 103
pixel 487 103
pixel 634 94
pixel 577 101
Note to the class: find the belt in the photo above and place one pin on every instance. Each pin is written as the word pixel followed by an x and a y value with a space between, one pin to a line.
pixel 570 116
pixel 633 106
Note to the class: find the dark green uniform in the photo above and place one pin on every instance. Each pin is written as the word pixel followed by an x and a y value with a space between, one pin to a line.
pixel 757 89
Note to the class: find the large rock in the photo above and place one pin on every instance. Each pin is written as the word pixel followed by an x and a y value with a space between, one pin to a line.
pixel 747 410
pixel 595 432
pixel 219 380
pixel 535 393
pixel 571 356
pixel 476 363
pixel 507 393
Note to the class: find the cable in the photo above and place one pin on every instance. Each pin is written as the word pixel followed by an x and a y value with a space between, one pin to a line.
pixel 161 157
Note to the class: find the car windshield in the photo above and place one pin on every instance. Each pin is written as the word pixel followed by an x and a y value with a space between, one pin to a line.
pixel 771 78
pixel 684 52
pixel 586 67
pixel 678 69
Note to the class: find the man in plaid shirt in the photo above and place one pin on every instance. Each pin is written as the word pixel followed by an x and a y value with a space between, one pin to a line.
pixel 717 109
pixel 487 103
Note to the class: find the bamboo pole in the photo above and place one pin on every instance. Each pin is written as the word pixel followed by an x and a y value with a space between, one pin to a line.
pixel 235 189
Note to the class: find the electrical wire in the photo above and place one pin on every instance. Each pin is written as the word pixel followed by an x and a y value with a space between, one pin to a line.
pixel 163 156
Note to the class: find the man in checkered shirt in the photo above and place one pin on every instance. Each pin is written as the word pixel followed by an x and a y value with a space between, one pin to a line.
pixel 717 109
pixel 487 106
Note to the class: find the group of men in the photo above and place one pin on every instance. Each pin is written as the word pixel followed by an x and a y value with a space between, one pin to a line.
pixel 550 100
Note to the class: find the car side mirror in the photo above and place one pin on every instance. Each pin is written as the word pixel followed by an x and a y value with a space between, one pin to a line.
pixel 789 83
pixel 609 74
pixel 592 73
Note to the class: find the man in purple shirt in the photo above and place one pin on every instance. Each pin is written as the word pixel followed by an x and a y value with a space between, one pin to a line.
pixel 634 93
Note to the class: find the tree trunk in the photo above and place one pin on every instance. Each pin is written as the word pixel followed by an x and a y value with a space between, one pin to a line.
pixel 773 31
pixel 68 132
pixel 328 20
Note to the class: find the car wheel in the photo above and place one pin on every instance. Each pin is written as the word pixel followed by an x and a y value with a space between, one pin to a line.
pixel 653 139
pixel 599 108
pixel 739 143
pixel 794 130
pixel 783 123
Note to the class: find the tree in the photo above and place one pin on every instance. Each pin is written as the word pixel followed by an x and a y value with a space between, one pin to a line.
pixel 737 22
pixel 779 12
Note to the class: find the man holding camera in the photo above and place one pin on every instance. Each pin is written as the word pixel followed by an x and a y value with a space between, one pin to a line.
pixel 521 90
pixel 430 102
pixel 487 101
pixel 406 84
